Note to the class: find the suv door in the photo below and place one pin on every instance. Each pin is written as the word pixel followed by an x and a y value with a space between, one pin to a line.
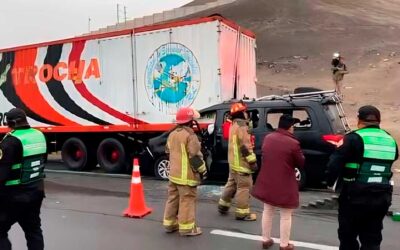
pixel 220 164
pixel 306 132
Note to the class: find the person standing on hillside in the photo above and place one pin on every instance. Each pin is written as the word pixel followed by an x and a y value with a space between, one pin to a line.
pixel 339 69
pixel 361 167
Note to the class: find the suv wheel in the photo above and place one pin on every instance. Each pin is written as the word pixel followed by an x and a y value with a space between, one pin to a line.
pixel 161 168
pixel 300 177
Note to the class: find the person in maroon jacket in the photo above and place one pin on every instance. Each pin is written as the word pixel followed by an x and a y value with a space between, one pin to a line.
pixel 276 184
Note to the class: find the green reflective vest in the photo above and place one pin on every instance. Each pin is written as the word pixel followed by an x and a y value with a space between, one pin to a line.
pixel 34 148
pixel 379 155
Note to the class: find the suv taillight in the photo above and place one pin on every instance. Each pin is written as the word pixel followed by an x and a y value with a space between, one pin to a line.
pixel 336 140
pixel 253 140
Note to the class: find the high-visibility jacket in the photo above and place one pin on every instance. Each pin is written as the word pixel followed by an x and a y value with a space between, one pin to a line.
pixel 240 148
pixel 379 155
pixel 182 145
pixel 34 147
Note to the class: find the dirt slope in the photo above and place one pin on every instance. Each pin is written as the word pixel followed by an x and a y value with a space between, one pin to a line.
pixel 296 39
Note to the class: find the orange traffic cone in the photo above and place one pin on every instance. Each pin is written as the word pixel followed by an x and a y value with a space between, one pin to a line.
pixel 137 206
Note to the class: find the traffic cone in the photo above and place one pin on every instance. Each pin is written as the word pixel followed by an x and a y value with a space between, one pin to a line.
pixel 137 206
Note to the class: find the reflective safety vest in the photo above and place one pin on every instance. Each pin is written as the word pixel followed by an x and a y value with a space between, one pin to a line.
pixel 379 155
pixel 239 137
pixel 34 148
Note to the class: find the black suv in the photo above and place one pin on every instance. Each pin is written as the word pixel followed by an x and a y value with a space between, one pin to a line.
pixel 322 122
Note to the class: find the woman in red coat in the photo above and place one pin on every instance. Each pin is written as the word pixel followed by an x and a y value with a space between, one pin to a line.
pixel 276 184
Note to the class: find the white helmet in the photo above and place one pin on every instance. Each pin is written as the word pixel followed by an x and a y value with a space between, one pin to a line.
pixel 336 55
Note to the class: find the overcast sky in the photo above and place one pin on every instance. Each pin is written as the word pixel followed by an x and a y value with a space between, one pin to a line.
pixel 31 21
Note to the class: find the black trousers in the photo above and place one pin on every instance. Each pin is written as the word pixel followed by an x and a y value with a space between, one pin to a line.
pixel 362 221
pixel 25 212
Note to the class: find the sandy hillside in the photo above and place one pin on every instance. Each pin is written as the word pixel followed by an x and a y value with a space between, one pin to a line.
pixel 296 39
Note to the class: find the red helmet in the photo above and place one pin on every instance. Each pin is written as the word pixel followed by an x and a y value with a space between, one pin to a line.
pixel 238 107
pixel 186 114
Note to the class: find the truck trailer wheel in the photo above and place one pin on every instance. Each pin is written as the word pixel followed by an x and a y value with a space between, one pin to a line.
pixel 76 155
pixel 161 167
pixel 111 156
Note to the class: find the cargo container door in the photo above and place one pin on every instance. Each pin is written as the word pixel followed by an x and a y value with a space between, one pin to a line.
pixel 176 67
pixel 116 85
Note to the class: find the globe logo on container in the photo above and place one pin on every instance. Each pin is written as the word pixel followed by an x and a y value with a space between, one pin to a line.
pixel 172 77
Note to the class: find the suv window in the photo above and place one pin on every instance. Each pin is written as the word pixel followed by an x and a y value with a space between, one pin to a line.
pixel 208 117
pixel 302 114
pixel 305 120
pixel 334 119
pixel 254 117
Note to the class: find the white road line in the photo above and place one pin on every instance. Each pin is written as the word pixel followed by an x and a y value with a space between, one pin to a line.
pixel 259 238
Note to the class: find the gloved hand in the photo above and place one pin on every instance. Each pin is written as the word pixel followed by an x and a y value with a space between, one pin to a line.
pixel 254 166
pixel 204 175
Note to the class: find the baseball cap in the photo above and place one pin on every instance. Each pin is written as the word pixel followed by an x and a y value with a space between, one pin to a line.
pixel 15 113
pixel 16 118
pixel 286 121
pixel 369 113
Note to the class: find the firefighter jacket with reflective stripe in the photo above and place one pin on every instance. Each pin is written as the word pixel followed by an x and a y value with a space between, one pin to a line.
pixel 182 145
pixel 34 150
pixel 379 154
pixel 240 149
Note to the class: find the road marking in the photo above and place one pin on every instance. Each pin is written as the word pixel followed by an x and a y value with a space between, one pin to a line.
pixel 259 238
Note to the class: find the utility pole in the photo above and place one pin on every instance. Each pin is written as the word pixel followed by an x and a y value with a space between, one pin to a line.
pixel 117 13
pixel 125 14
pixel 89 20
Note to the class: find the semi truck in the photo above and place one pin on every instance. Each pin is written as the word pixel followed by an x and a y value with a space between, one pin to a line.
pixel 98 98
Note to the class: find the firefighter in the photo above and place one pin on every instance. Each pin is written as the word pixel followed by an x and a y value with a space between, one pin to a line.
pixel 361 169
pixel 187 169
pixel 22 156
pixel 242 163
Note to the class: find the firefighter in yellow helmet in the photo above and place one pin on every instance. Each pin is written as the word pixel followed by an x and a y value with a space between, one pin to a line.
pixel 187 169
pixel 242 163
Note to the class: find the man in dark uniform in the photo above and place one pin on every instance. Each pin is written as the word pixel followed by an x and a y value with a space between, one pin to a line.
pixel 361 167
pixel 22 156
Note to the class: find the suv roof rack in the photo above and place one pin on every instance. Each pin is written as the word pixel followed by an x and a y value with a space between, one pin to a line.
pixel 239 100
pixel 316 94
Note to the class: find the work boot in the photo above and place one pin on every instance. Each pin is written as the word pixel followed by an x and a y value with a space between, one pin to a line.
pixel 223 209
pixel 288 247
pixel 249 217
pixel 171 229
pixel 194 232
pixel 267 244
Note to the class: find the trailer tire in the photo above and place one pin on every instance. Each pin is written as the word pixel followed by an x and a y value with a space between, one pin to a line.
pixel 161 167
pixel 76 155
pixel 112 156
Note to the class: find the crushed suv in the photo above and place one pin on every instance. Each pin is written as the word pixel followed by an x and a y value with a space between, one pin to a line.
pixel 322 123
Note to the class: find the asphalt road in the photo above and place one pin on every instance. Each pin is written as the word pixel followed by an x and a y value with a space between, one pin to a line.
pixel 84 212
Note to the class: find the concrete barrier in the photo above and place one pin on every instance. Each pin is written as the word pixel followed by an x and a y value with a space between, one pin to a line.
pixel 168 15
pixel 164 16
pixel 138 22
pixel 158 17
